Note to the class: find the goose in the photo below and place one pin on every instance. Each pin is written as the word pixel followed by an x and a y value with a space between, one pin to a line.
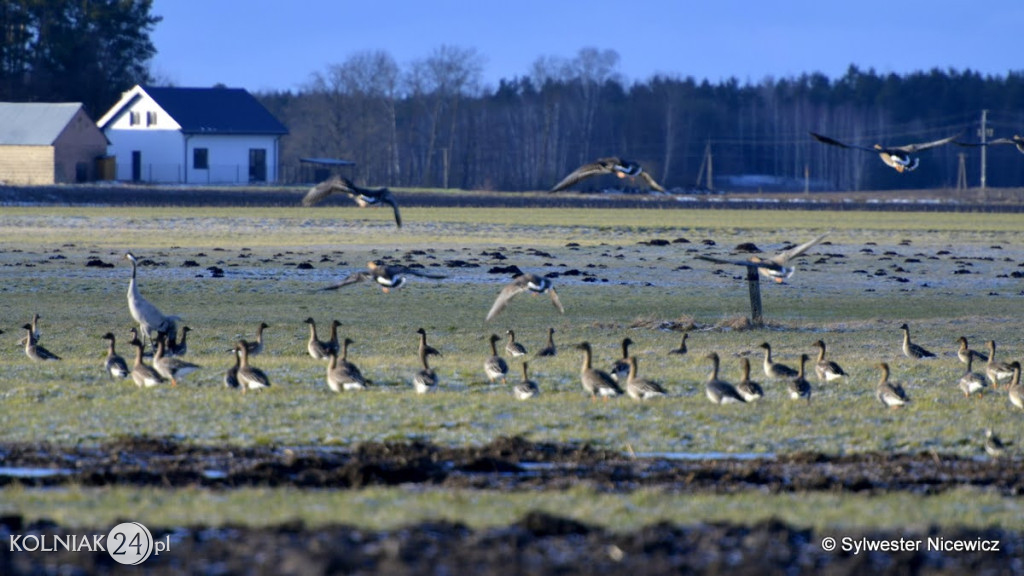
pixel 777 267
pixel 775 370
pixel 170 367
pixel 231 376
pixel 35 329
pixel 971 381
pixel 495 366
pixel 911 350
pixel 527 388
pixel 717 390
pixel 682 345
pixel 341 377
pixel 256 347
pixel 425 348
pixel 595 382
pixel 1015 390
pixel 994 446
pixel 114 364
pixel 34 350
pixel 148 316
pixel 514 349
pixel 620 369
pixel 896 157
pixel 387 276
pixel 964 352
pixel 332 344
pixel 1015 140
pixel 143 374
pixel 549 349
pixel 610 165
pixel 890 394
pixel 826 370
pixel 178 348
pixel 748 390
pixel 799 387
pixel 363 196
pixel 425 381
pixel 996 371
pixel 249 377
pixel 524 283
pixel 316 348
pixel 641 388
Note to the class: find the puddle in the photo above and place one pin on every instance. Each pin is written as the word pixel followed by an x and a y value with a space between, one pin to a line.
pixel 22 472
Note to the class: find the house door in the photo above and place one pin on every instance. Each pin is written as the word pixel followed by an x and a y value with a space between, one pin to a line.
pixel 136 165
pixel 257 164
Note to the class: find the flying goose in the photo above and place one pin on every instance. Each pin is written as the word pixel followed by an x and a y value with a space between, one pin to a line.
pixel 363 196
pixel 611 165
pixel 826 370
pixel 996 371
pixel 748 390
pixel 1015 140
pixel 890 394
pixel 799 387
pixel 775 370
pixel 777 267
pixel 1015 390
pixel 994 446
pixel 896 157
pixel 387 276
pixel 114 364
pixel 256 347
pixel 641 388
pixel 143 374
pixel 249 377
pixel 717 390
pixel 595 382
pixel 620 369
pixel 524 283
pixel 150 318
pixel 971 381
pixel 425 380
pixel 682 345
pixel 514 349
pixel 964 352
pixel 317 348
pixel 549 349
pixel 527 388
pixel 172 368
pixel 495 366
pixel 34 350
pixel 911 350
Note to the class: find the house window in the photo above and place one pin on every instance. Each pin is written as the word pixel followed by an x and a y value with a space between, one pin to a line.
pixel 200 159
pixel 150 118
pixel 134 118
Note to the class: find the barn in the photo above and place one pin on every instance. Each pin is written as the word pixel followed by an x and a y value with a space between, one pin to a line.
pixel 193 136
pixel 48 143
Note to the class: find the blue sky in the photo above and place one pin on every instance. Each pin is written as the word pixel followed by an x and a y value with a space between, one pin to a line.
pixel 269 44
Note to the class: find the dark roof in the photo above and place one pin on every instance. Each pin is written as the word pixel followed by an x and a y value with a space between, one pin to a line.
pixel 216 110
pixel 327 161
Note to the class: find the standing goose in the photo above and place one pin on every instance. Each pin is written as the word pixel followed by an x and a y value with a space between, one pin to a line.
pixel 514 349
pixel 175 347
pixel 34 350
pixel 777 267
pixel 363 196
pixel 249 377
pixel 641 388
pixel 799 387
pixel 340 377
pixel 150 318
pixel 717 390
pixel 332 344
pixel 775 370
pixel 595 382
pixel 495 366
pixel 425 348
pixel 527 388
pixel 114 364
pixel 170 367
pixel 826 370
pixel 424 381
pixel 610 165
pixel 317 348
pixel 682 345
pixel 995 370
pixel 144 375
pixel 896 157
pixel 748 390
pixel 890 394
pixel 231 376
pixel 35 329
pixel 524 283
pixel 1015 390
pixel 549 349
pixel 971 381
pixel 387 276
pixel 964 352
pixel 256 347
pixel 911 350
pixel 620 369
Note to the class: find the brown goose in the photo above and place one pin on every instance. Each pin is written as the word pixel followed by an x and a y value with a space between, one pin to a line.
pixel 1015 390
pixel 682 345
pixel 495 366
pixel 911 350
pixel 35 351
pixel 249 377
pixel 387 276
pixel 799 387
pixel 896 157
pixel 527 388
pixel 890 394
pixel 826 370
pixel 748 390
pixel 996 371
pixel 775 370
pixel 114 364
pixel 595 382
pixel 717 390
pixel 363 196
pixel 971 381
pixel 611 165
pixel 425 381
pixel 964 352
pixel 620 369
pixel 514 349
pixel 641 388
pixel 425 348
pixel 531 283
pixel 35 329
pixel 343 375
pixel 549 349
pixel 256 347
pixel 231 376
pixel 317 348
pixel 144 375
pixel 172 368
pixel 175 347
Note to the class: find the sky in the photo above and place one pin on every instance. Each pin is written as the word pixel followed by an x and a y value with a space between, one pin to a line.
pixel 264 45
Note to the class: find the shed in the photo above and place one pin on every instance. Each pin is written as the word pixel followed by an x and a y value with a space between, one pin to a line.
pixel 47 143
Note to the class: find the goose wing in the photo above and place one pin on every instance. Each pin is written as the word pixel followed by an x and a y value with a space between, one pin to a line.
pixel 798 250
pixel 602 166
pixel 834 142
pixel 324 189
pixel 651 183
pixel 767 264
pixel 389 199
pixel 398 269
pixel 506 294
pixel 908 148
pixel 554 300
pixel 350 279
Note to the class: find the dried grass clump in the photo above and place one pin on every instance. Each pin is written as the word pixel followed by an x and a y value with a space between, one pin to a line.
pixel 652 322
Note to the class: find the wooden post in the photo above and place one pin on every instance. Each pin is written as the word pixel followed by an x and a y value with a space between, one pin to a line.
pixel 754 284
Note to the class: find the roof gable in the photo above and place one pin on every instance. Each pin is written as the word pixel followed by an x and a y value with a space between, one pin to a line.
pixel 34 123
pixel 205 110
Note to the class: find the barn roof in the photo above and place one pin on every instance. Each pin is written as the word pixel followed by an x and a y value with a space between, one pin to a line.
pixel 34 123
pixel 206 110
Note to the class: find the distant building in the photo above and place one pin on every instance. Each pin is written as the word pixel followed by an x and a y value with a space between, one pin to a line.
pixel 193 135
pixel 48 143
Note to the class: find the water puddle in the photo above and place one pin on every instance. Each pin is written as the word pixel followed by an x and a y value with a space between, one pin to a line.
pixel 22 472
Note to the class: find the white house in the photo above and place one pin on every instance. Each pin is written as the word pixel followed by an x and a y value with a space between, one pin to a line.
pixel 193 135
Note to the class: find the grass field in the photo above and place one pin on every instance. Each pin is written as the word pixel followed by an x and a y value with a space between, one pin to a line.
pixel 947 275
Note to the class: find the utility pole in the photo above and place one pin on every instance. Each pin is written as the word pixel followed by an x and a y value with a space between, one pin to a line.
pixel 961 173
pixel 984 132
pixel 711 181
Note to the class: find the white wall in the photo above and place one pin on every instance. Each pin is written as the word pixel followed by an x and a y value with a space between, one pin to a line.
pixel 162 153
pixel 228 157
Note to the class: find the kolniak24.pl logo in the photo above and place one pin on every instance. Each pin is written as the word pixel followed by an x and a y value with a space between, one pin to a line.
pixel 128 543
